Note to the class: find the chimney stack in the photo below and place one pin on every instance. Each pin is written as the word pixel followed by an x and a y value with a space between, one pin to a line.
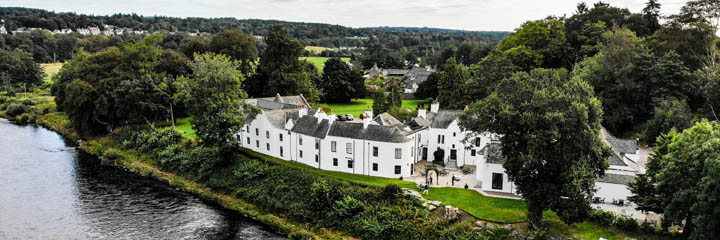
pixel 366 120
pixel 332 117
pixel 302 111
pixel 321 115
pixel 435 106
pixel 368 112
pixel 422 112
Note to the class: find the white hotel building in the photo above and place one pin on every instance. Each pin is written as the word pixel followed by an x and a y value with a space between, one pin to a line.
pixel 385 147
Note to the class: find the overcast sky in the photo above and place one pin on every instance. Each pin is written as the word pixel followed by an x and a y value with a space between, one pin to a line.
pixel 490 15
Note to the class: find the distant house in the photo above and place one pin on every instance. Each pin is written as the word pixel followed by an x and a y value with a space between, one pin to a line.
pixel 94 30
pixel 83 31
pixel 3 30
pixel 411 78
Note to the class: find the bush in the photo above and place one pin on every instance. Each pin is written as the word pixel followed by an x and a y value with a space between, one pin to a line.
pixel 3 99
pixel 602 218
pixel 15 109
pixel 110 157
pixel 10 93
pixel 250 170
pixel 151 140
pixel 171 158
pixel 626 223
pixel 391 192
pixel 25 118
pixel 647 227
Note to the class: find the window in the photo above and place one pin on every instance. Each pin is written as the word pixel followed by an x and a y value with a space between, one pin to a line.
pixel 281 151
pixel 419 138
pixel 477 141
pixel 375 167
pixel 348 148
pixel 439 139
pixel 317 158
pixel 335 162
pixel 257 132
pixel 443 139
pixel 453 146
pixel 398 153
pixel 300 139
pixel 497 182
pixel 267 146
pixel 398 169
pixel 375 151
pixel 247 128
pixel 412 151
pixel 472 152
pixel 333 146
pixel 317 143
pixel 248 140
pixel 267 134
pixel 301 153
pixel 281 137
pixel 350 163
pixel 257 144
pixel 454 134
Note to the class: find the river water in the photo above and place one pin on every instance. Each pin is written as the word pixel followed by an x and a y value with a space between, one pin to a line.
pixel 48 190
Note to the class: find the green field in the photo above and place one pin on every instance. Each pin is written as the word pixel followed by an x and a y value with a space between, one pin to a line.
pixel 50 70
pixel 358 106
pixel 317 50
pixel 319 62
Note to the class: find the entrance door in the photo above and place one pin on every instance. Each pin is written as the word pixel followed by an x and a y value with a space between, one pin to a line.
pixel 424 153
pixel 453 154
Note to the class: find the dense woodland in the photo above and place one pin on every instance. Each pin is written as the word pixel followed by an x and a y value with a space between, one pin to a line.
pixel 546 89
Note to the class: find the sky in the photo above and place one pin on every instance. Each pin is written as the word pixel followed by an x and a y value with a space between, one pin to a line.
pixel 481 15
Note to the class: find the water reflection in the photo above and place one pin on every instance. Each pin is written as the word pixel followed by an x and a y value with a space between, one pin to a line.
pixel 51 191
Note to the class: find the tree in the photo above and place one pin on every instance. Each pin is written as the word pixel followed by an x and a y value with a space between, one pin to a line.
pixel 19 68
pixel 339 83
pixel 380 103
pixel 428 88
pixel 238 46
pixel 395 88
pixel 536 44
pixel 669 114
pixel 651 13
pixel 452 85
pixel 215 99
pixel 684 179
pixel 488 73
pixel 280 71
pixel 549 125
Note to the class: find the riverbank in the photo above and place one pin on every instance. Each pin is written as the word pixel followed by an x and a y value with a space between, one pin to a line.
pixel 139 164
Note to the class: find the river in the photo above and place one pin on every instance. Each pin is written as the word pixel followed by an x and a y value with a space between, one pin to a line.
pixel 49 190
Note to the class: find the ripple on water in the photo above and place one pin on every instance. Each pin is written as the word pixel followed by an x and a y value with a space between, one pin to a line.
pixel 50 191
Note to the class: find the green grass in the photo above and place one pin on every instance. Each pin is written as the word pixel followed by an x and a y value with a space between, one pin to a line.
pixel 50 70
pixel 182 125
pixel 317 50
pixel 483 207
pixel 319 62
pixel 358 106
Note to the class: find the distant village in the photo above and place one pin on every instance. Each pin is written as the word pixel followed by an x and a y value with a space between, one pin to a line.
pixel 108 30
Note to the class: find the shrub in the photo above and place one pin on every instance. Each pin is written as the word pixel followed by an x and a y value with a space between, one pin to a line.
pixel 110 157
pixel 15 109
pixel 151 140
pixel 602 218
pixel 647 227
pixel 3 99
pixel 171 158
pixel 10 93
pixel 348 207
pixel 391 191
pixel 250 170
pixel 626 223
pixel 25 118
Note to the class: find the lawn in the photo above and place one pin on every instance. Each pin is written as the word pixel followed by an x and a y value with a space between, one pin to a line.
pixel 182 125
pixel 50 70
pixel 358 106
pixel 319 62
pixel 317 50
pixel 483 207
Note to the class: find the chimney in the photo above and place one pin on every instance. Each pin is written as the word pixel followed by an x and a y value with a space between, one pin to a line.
pixel 435 106
pixel 366 120
pixel 321 115
pixel 332 117
pixel 422 112
pixel 368 112
pixel 302 111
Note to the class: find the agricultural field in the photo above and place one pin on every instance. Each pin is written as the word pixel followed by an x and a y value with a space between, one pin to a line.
pixel 50 70
pixel 317 50
pixel 319 62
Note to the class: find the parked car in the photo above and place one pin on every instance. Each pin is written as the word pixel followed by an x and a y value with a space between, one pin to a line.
pixel 349 117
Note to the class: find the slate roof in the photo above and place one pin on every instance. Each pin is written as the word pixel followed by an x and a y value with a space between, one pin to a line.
pixel 616 178
pixel 614 159
pixel 378 133
pixel 308 125
pixel 443 118
pixel 296 100
pixel 395 72
pixel 417 123
pixel 385 119
pixel 623 146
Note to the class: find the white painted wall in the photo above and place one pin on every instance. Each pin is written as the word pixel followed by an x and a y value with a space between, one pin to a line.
pixel 611 191
pixel 486 177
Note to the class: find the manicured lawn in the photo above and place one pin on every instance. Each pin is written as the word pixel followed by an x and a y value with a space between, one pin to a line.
pixel 50 70
pixel 488 208
pixel 182 125
pixel 358 106
pixel 319 62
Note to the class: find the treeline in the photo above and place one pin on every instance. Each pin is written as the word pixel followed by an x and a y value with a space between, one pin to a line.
pixel 418 41
pixel 635 64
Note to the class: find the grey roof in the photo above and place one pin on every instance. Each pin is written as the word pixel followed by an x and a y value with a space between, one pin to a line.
pixel 372 132
pixel 271 105
pixel 385 119
pixel 417 123
pixel 623 146
pixel 308 125
pixel 493 153
pixel 616 178
pixel 399 72
pixel 296 100
pixel 614 159
pixel 443 118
